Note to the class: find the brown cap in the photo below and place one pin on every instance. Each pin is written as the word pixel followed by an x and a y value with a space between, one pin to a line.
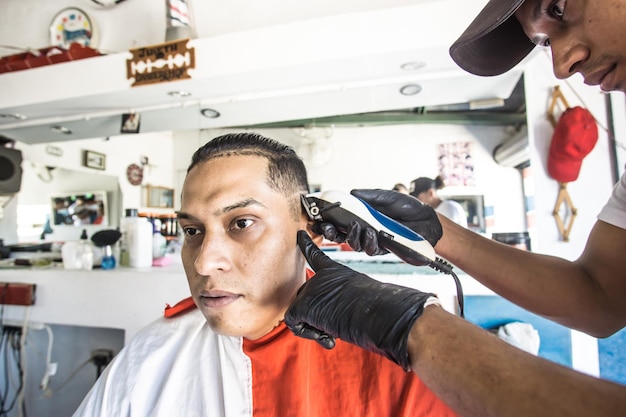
pixel 494 42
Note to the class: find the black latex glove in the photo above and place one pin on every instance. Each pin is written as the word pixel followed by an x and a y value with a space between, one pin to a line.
pixel 340 302
pixel 403 208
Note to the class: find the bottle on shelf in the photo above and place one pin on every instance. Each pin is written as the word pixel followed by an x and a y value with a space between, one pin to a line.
pixel 108 260
pixel 136 243
pixel 69 254
pixel 85 252
pixel 159 242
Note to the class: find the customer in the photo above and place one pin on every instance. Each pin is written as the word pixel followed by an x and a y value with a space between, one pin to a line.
pixel 226 351
pixel 425 189
pixel 473 371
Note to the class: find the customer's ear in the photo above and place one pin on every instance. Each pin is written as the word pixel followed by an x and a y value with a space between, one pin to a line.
pixel 317 238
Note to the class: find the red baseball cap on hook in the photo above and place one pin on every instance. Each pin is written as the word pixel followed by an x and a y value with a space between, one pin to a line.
pixel 575 135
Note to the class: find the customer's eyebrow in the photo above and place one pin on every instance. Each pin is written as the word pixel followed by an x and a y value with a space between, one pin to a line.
pixel 183 215
pixel 239 204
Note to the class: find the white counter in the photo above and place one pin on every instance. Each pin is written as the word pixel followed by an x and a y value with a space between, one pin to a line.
pixel 122 298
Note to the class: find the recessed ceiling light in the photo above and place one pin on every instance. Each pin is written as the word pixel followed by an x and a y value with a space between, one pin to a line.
pixel 410 89
pixel 14 116
pixel 180 93
pixel 210 113
pixel 61 129
pixel 412 66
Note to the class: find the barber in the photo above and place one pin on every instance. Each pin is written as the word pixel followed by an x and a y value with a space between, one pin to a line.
pixel 472 370
pixel 586 294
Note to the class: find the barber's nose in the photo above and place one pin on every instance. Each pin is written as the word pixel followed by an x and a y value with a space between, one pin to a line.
pixel 212 256
pixel 568 56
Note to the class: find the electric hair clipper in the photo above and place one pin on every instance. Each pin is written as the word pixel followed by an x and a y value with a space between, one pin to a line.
pixel 340 209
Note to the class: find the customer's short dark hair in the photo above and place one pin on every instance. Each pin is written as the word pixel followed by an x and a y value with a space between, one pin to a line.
pixel 286 172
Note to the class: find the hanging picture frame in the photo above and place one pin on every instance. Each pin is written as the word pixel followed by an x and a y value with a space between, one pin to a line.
pixel 131 123
pixel 159 197
pixel 95 160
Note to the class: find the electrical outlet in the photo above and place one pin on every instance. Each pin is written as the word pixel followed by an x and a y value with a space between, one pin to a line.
pixel 17 293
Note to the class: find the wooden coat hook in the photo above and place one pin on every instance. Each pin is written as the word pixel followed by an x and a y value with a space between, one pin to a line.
pixel 570 212
pixel 557 96
pixel 563 197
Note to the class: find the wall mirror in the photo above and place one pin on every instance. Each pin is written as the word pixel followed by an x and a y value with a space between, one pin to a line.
pixel 79 208
pixel 58 202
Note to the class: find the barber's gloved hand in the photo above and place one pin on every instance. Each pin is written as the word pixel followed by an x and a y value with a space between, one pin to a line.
pixel 403 208
pixel 340 302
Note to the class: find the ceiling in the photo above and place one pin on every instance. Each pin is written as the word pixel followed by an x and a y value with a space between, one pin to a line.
pixel 350 70
pixel 508 111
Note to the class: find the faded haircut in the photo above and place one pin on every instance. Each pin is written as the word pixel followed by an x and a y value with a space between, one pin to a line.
pixel 286 172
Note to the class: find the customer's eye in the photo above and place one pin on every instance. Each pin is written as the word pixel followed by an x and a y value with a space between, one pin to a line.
pixel 190 231
pixel 241 224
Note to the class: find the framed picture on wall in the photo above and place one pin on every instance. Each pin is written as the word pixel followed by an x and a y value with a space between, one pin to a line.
pixel 159 197
pixel 95 160
pixel 456 165
pixel 130 123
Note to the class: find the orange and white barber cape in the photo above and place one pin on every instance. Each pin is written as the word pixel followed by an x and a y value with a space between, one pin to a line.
pixel 178 366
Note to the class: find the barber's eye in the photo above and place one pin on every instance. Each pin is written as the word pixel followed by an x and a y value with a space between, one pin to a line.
pixel 557 9
pixel 242 223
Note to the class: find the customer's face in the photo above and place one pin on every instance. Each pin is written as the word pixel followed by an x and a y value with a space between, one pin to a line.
pixel 240 253
pixel 585 36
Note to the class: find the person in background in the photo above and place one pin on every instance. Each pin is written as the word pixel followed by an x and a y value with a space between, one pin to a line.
pixel 401 188
pixel 226 351
pixel 425 189
pixel 469 368
pixel 61 214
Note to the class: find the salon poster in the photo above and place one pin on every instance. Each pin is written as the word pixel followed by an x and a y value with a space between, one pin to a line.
pixel 456 165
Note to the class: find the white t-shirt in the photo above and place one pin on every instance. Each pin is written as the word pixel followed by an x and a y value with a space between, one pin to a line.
pixel 454 211
pixel 614 212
